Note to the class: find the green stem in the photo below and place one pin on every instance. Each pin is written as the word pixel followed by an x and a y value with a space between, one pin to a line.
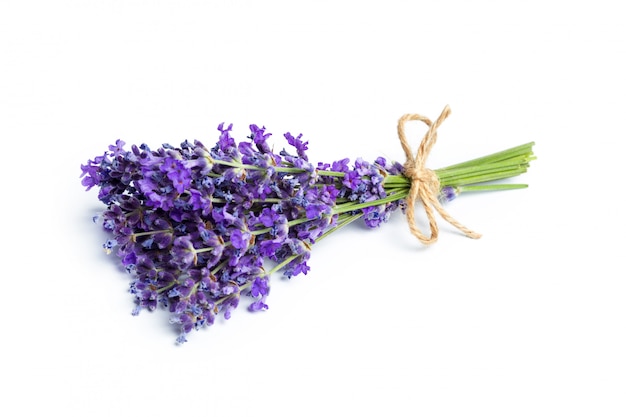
pixel 285 169
pixel 525 149
pixel 236 164
pixel 491 187
pixel 485 177
pixel 151 232
pixel 347 220
pixel 218 267
pixel 344 208
pixel 489 167
pixel 283 264
pixel 256 200
pixel 168 287
pixel 290 223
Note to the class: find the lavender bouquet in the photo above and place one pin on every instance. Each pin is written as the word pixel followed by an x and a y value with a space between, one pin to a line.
pixel 199 228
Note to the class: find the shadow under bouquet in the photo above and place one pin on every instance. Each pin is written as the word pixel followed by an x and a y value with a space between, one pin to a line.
pixel 199 228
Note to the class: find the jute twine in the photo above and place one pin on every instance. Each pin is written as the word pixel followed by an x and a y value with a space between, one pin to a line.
pixel 424 182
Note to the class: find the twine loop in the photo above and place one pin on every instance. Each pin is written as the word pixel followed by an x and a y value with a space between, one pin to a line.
pixel 424 182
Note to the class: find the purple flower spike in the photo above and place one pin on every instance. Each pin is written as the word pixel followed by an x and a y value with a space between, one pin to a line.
pixel 258 305
pixel 183 252
pixel 296 142
pixel 448 194
pixel 259 287
pixel 177 173
pixel 239 239
pixel 259 137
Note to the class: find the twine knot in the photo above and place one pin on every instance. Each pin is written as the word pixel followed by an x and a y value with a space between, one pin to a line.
pixel 424 182
pixel 423 175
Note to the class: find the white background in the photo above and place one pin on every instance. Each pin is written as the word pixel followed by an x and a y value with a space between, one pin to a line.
pixel 530 320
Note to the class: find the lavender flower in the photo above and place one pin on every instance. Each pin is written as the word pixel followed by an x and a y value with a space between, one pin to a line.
pixel 196 227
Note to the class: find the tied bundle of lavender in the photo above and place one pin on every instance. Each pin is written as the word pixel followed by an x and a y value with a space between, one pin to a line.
pixel 197 227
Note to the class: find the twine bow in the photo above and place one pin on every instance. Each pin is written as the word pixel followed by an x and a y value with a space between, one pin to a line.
pixel 424 182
